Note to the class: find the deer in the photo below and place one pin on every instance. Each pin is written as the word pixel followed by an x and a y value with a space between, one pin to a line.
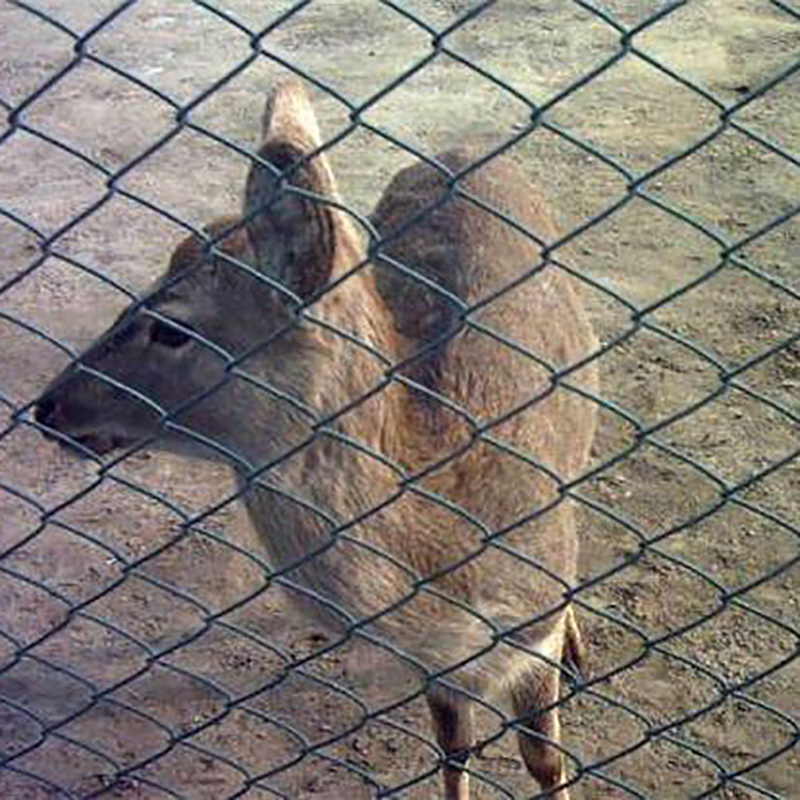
pixel 405 401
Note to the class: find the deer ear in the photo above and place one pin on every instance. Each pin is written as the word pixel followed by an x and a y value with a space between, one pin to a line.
pixel 294 236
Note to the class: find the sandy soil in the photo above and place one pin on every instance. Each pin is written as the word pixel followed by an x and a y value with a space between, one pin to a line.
pixel 107 668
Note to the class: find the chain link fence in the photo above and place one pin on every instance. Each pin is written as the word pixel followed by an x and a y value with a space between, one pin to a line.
pixel 145 646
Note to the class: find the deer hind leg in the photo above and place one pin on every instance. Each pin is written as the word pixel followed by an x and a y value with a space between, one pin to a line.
pixel 452 722
pixel 532 698
pixel 573 655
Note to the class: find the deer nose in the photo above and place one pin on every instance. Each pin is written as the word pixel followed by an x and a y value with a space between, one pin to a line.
pixel 45 411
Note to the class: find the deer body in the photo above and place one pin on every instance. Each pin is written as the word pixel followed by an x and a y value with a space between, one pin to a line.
pixel 404 476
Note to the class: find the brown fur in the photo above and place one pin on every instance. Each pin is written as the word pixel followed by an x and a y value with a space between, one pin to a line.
pixel 443 532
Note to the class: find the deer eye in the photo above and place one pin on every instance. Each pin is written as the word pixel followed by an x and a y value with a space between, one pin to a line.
pixel 168 335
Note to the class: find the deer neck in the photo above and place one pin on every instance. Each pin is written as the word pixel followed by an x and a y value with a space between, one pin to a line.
pixel 311 464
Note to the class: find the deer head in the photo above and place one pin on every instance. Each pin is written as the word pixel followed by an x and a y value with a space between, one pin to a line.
pixel 224 320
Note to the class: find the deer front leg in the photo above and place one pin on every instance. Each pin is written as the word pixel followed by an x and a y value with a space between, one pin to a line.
pixel 452 722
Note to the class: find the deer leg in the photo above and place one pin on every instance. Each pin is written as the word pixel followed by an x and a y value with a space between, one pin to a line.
pixel 452 722
pixel 574 652
pixel 532 698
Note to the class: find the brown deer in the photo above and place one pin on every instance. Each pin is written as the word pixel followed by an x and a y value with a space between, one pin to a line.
pixel 402 419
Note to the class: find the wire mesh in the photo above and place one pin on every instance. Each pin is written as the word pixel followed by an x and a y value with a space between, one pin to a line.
pixel 145 650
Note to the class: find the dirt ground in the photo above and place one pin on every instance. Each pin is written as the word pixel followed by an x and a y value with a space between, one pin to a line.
pixel 109 670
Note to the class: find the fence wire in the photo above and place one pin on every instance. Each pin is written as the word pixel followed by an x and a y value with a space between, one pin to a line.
pixel 693 689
